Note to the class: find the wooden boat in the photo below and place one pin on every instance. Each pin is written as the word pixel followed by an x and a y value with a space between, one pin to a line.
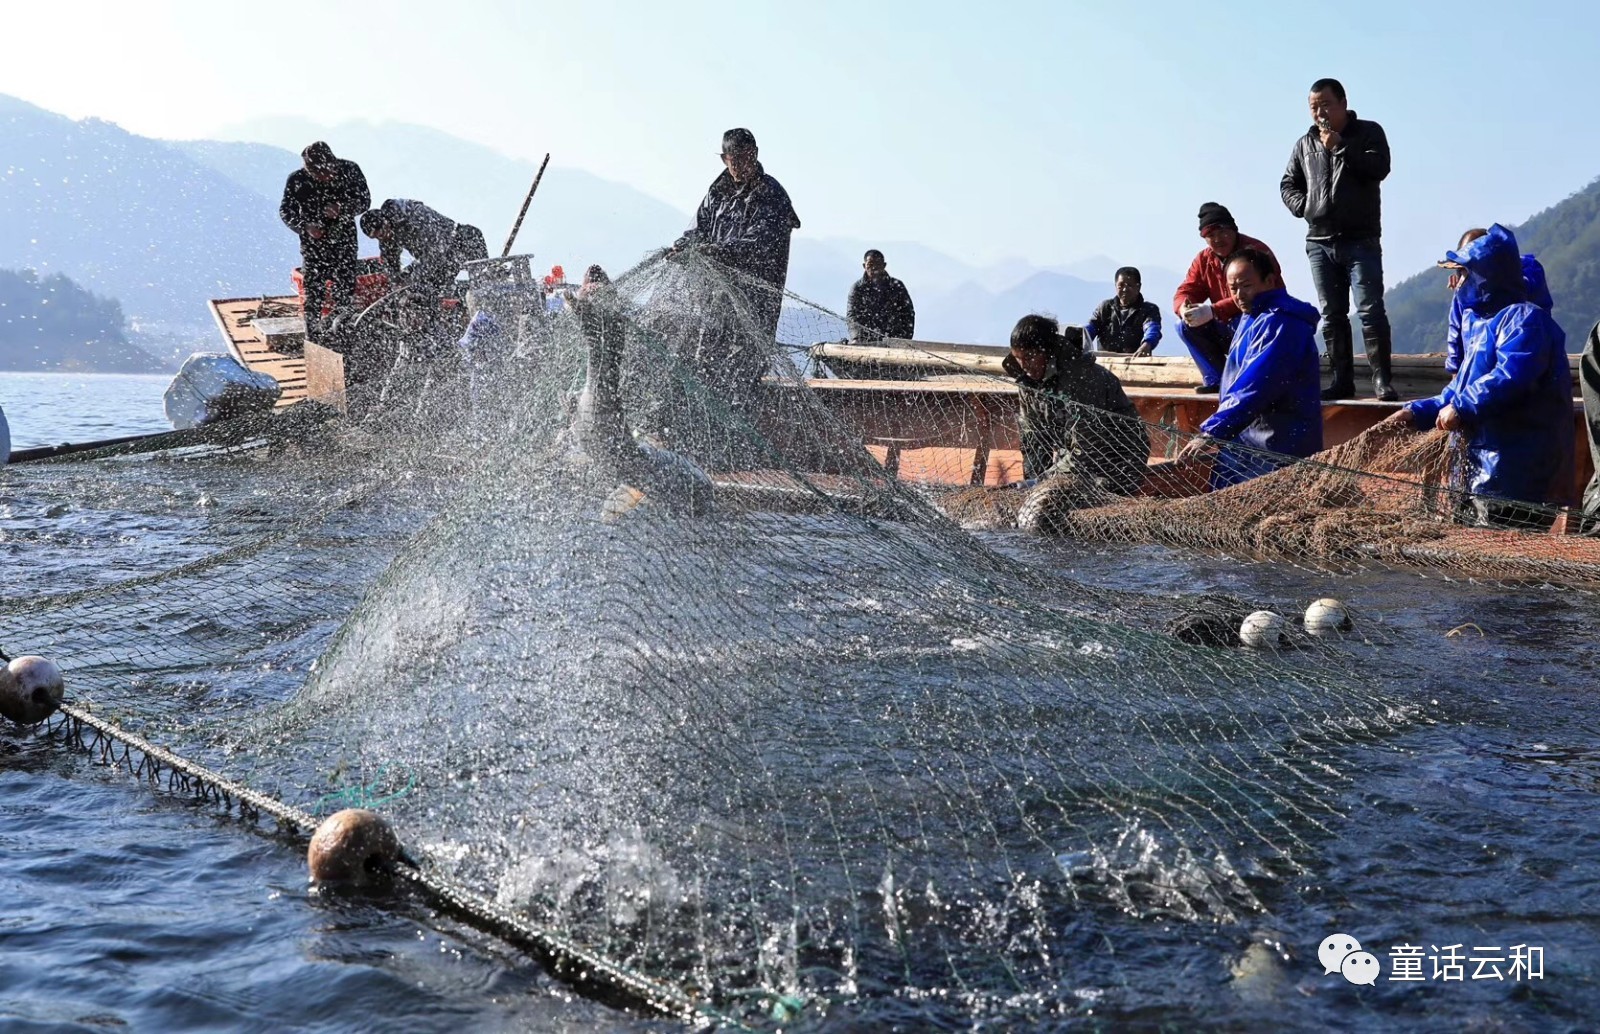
pixel 946 413
pixel 931 412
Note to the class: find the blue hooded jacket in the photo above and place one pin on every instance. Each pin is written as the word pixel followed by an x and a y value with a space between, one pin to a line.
pixel 1514 387
pixel 1538 294
pixel 1271 387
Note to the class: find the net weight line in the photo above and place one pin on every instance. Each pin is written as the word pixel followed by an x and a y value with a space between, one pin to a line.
pixel 605 980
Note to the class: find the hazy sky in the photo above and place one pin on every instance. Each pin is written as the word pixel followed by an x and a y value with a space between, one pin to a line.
pixel 1050 131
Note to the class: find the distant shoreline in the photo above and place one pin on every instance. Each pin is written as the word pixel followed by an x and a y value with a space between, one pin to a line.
pixel 83 373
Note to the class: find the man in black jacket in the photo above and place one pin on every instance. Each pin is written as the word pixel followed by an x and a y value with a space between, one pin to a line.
pixel 880 306
pixel 743 223
pixel 320 204
pixel 439 246
pixel 1126 324
pixel 1333 182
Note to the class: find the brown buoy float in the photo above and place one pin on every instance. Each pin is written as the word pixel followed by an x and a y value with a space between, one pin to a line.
pixel 354 847
pixel 30 690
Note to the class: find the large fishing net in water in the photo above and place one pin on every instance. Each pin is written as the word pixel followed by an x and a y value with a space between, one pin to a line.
pixel 628 631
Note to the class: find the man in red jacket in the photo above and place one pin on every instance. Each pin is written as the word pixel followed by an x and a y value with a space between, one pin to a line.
pixel 1207 313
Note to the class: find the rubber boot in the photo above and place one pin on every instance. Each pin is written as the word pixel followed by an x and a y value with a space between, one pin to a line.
pixel 1378 359
pixel 1341 357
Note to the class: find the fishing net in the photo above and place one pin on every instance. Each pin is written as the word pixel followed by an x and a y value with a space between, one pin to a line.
pixel 628 630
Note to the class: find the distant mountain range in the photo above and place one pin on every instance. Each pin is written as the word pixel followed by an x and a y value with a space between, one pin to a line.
pixel 161 226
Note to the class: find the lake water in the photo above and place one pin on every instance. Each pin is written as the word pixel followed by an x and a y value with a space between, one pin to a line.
pixel 127 907
pixel 52 408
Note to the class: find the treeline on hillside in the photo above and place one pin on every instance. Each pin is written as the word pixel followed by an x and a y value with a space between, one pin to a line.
pixel 52 323
pixel 1564 237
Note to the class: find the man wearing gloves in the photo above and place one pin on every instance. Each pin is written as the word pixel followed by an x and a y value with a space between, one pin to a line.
pixel 1269 397
pixel 1206 310
pixel 1511 398
pixel 1333 183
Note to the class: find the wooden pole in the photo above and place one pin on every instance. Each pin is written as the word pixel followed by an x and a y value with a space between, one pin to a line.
pixel 525 203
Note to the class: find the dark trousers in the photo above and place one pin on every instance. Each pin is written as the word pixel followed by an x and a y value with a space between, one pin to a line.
pixel 328 267
pixel 1208 344
pixel 1337 268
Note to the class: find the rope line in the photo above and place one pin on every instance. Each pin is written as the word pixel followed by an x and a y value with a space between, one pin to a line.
pixel 568 960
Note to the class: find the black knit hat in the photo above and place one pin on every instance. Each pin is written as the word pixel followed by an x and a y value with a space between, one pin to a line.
pixel 1213 214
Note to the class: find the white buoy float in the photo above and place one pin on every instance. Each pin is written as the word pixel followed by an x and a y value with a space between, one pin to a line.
pixel 30 690
pixel 1328 617
pixel 1261 630
pixel 354 847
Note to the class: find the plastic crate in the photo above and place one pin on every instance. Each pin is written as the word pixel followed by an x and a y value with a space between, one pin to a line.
pixel 371 284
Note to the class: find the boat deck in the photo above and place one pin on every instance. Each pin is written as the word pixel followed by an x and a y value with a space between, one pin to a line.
pixel 255 329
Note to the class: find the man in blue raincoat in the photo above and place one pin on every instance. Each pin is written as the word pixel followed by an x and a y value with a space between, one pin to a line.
pixel 1512 394
pixel 1271 398
pixel 1532 275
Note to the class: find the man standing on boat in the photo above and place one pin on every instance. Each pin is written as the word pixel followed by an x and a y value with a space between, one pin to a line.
pixel 744 224
pixel 880 306
pixel 320 204
pixel 1511 398
pixel 1126 323
pixel 1206 309
pixel 439 246
pixel 1269 401
pixel 1333 182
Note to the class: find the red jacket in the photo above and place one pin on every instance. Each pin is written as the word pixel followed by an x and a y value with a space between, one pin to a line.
pixel 1206 282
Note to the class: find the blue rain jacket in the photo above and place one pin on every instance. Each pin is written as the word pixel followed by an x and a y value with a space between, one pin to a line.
pixel 1538 294
pixel 1271 395
pixel 1514 387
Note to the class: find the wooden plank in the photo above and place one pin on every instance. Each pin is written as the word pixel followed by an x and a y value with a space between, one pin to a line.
pixel 235 319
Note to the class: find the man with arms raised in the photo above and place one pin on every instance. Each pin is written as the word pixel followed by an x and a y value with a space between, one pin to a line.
pixel 1206 310
pixel 1270 400
pixel 1126 323
pixel 1332 181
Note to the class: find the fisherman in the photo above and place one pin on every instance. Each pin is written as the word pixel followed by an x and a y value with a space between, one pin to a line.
pixel 1072 413
pixel 879 306
pixel 1532 275
pixel 1269 399
pixel 1511 398
pixel 439 246
pixel 1207 311
pixel 744 222
pixel 320 203
pixel 1126 323
pixel 1589 384
pixel 1333 182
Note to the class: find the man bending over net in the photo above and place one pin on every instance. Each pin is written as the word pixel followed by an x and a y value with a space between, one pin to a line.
pixel 1511 398
pixel 1073 414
